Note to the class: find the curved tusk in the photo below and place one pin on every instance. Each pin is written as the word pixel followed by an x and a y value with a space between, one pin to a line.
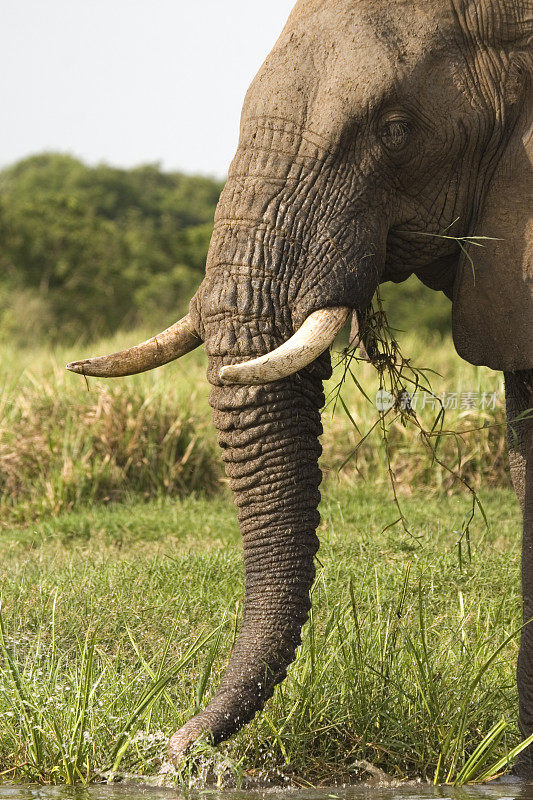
pixel 316 334
pixel 172 343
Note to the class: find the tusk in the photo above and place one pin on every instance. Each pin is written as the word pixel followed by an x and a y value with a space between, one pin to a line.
pixel 309 341
pixel 172 343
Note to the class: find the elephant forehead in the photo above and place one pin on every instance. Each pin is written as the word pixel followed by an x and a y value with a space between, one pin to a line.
pixel 409 18
pixel 418 20
pixel 335 59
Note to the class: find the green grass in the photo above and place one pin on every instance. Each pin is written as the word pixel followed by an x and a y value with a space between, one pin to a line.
pixel 117 623
pixel 121 581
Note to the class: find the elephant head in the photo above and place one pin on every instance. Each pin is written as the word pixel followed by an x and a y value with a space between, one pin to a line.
pixel 372 134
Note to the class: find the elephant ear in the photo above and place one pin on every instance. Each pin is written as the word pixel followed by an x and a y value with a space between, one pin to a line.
pixel 493 294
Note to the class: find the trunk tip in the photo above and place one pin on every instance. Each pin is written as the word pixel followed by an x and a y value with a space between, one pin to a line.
pixel 182 741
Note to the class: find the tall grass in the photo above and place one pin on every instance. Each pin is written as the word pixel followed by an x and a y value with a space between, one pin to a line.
pixel 64 444
pixel 355 447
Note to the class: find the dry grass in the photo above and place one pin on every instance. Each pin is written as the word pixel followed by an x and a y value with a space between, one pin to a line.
pixel 470 443
pixel 64 444
pixel 443 425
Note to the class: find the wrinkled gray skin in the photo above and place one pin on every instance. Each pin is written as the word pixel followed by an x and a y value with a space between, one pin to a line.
pixel 370 124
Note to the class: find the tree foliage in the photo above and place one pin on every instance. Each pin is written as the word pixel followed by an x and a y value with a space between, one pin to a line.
pixel 87 250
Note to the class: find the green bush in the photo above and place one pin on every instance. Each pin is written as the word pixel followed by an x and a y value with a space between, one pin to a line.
pixel 87 250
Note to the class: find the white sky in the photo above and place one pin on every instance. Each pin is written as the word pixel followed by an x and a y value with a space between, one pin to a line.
pixel 131 81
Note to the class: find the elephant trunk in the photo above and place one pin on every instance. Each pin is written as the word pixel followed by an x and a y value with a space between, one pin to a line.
pixel 269 437
pixel 282 250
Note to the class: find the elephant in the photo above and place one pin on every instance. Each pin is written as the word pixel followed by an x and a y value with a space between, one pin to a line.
pixel 370 125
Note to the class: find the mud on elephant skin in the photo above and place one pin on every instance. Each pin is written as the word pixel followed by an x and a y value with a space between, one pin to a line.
pixel 370 129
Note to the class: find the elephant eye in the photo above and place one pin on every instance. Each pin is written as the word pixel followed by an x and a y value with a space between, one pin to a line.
pixel 395 133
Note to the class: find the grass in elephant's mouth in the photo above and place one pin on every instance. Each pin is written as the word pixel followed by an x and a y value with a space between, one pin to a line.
pixel 117 622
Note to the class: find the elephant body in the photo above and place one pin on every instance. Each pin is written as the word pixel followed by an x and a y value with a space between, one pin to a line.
pixel 375 135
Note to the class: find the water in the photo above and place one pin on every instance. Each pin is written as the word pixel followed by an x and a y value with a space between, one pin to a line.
pixel 508 790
